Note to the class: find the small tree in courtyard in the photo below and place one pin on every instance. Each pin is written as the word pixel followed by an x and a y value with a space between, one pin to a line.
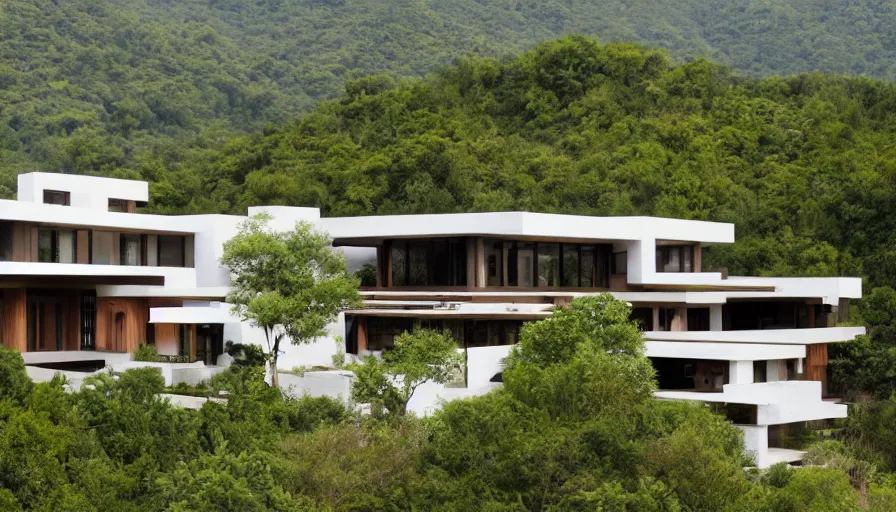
pixel 416 358
pixel 291 284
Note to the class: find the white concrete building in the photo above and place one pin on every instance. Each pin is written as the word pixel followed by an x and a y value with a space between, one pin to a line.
pixel 85 280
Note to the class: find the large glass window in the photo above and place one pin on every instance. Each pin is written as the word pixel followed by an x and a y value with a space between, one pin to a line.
pixel 548 265
pixel 88 320
pixel 675 258
pixel 399 263
pixel 520 263
pixel 101 248
pixel 494 262
pixel 55 246
pixel 171 251
pixel 571 262
pixel 429 262
pixel 6 241
pixel 131 250
pixel 698 319
pixel 418 255
pixel 666 315
pixel 620 262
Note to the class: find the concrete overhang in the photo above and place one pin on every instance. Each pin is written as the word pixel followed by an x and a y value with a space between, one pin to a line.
pixel 365 231
pixel 767 336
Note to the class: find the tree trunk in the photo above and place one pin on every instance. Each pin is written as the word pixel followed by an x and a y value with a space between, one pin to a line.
pixel 275 353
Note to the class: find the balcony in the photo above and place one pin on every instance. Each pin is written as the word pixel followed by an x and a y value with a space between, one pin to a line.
pixel 84 274
pixel 767 336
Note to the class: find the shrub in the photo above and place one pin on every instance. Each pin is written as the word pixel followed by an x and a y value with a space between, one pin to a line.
pixel 148 354
pixel 14 381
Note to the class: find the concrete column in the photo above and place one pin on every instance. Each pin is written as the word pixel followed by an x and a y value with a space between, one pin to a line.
pixel 740 372
pixel 715 317
pixel 680 320
pixel 756 443
pixel 189 255
pixel 481 270
pixel 641 261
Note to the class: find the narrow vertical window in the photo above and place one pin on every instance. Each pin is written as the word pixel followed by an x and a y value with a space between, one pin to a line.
pixel 131 250
pixel 548 265
pixel 399 263
pixel 494 262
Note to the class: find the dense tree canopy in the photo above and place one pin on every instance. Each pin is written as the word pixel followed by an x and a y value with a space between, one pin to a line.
pixel 802 165
pixel 576 432
pixel 139 87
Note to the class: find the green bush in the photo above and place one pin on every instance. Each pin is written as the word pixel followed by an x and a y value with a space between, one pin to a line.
pixel 14 380
pixel 147 353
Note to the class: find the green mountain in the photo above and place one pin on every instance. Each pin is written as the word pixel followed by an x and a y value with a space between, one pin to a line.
pixel 804 166
pixel 136 87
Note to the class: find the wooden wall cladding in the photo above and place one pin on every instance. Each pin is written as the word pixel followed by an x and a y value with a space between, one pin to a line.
pixel 121 323
pixel 817 365
pixel 13 320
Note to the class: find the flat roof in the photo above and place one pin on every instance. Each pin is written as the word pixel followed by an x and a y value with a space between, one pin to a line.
pixel 522 225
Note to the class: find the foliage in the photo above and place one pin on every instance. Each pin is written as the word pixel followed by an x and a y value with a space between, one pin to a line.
pixel 868 364
pixel 581 431
pixel 14 382
pixel 367 274
pixel 574 126
pixel 416 358
pixel 147 353
pixel 245 355
pixel 291 284
pixel 135 88
pixel 116 446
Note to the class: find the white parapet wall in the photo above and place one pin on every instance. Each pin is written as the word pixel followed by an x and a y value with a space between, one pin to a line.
pixel 767 336
pixel 335 384
pixel 174 373
pixel 776 403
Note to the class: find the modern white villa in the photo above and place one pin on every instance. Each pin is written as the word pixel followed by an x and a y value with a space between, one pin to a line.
pixel 85 280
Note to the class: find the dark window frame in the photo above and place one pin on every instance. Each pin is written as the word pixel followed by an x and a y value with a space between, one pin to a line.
pixel 141 249
pixel 54 196
pixel 54 244
pixel 183 250
pixel 117 205
pixel 456 256
pixel 617 268
pixel 664 253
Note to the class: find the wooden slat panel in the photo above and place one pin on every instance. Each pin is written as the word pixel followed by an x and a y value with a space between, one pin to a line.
pixel 121 324
pixel 362 334
pixel 166 339
pixel 21 243
pixel 816 365
pixel 83 246
pixel 14 320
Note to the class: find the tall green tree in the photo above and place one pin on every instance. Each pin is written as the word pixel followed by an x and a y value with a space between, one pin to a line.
pixel 291 284
pixel 418 357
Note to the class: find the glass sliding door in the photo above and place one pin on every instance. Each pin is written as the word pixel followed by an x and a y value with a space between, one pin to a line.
pixel 548 265
pixel 131 250
pixel 571 265
pixel 55 246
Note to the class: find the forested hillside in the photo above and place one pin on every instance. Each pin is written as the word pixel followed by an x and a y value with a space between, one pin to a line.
pixel 804 165
pixel 134 87
pixel 574 429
